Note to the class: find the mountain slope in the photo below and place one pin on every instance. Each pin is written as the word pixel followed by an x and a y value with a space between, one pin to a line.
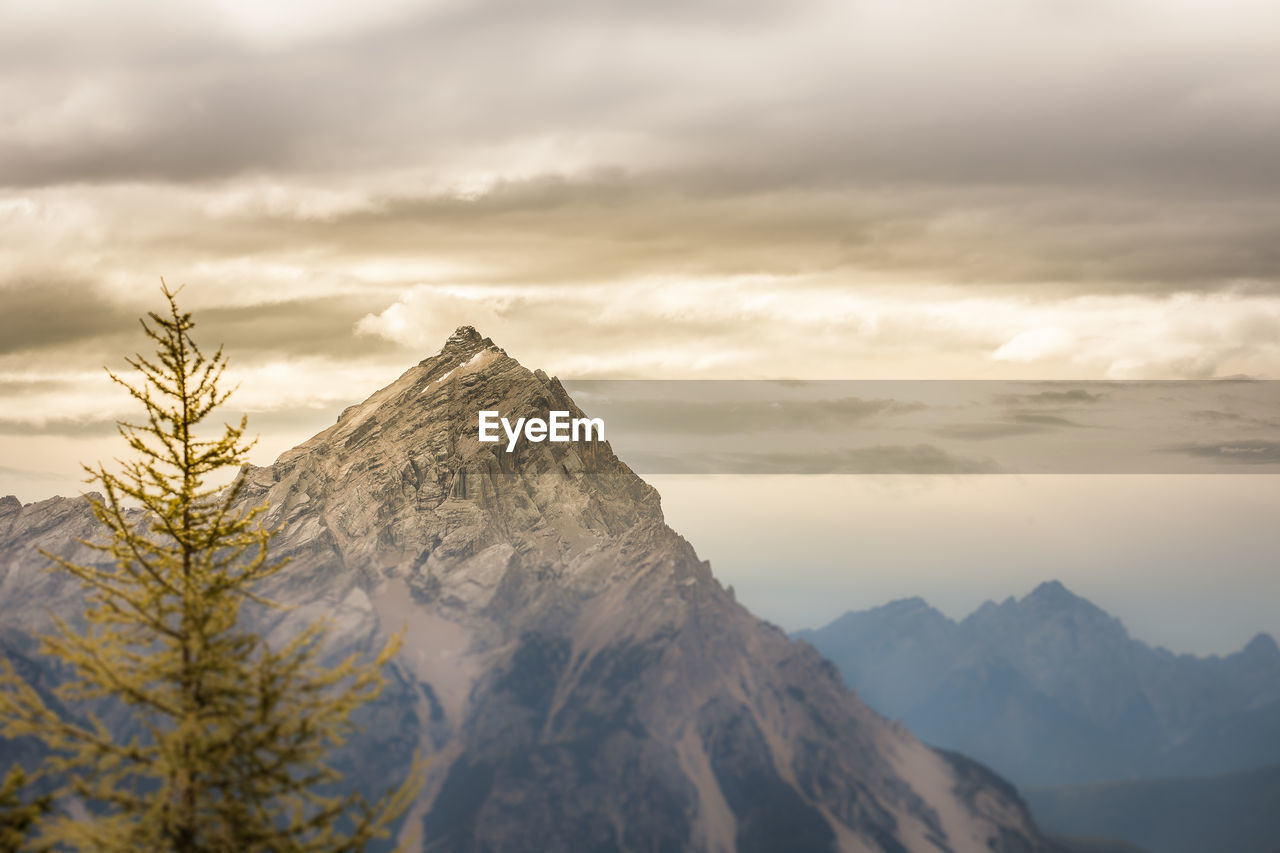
pixel 1049 689
pixel 579 677
pixel 1235 813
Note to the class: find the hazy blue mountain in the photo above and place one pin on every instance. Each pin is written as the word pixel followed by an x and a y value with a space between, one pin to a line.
pixel 1098 845
pixel 578 676
pixel 1235 813
pixel 1049 689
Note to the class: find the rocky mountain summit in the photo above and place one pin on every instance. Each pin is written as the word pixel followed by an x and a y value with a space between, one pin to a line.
pixel 1049 689
pixel 579 678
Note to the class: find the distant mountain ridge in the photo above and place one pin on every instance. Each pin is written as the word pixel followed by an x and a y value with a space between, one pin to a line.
pixel 1050 689
pixel 579 678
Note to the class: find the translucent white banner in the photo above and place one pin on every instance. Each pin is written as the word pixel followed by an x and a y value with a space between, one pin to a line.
pixel 1223 426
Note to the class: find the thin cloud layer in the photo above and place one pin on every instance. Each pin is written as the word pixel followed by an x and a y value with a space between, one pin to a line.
pixel 719 188
pixel 1093 147
pixel 1251 452
pixel 771 92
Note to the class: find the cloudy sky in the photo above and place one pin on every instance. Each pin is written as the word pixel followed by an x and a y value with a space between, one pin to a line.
pixel 825 189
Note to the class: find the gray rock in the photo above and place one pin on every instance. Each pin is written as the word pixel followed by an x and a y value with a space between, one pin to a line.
pixel 578 676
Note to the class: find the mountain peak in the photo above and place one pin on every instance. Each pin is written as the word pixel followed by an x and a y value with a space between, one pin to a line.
pixel 574 669
pixel 1262 648
pixel 464 343
pixel 1052 593
pixel 1052 600
pixel 914 607
pixel 1049 603
pixel 452 514
pixel 1050 587
pixel 465 335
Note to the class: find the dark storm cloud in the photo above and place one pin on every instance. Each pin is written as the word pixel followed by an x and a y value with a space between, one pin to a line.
pixel 1100 148
pixel 194 105
pixel 304 327
pixel 886 459
pixel 1145 427
pixel 613 222
pixel 1240 418
pixel 1042 419
pixel 13 389
pixel 228 132
pixel 76 317
pixel 987 431
pixel 212 104
pixel 1215 416
pixel 42 312
pixel 1009 426
pixel 1074 395
pixel 735 417
pixel 62 427
pixel 11 424
pixel 1248 452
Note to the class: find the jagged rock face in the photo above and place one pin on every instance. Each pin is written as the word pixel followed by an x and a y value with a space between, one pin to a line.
pixel 579 678
pixel 27 589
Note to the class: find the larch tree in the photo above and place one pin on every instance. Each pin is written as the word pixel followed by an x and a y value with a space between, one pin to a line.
pixel 231 738
pixel 18 815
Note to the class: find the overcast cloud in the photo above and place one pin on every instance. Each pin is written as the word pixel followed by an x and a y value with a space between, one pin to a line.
pixel 822 189
pixel 721 188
